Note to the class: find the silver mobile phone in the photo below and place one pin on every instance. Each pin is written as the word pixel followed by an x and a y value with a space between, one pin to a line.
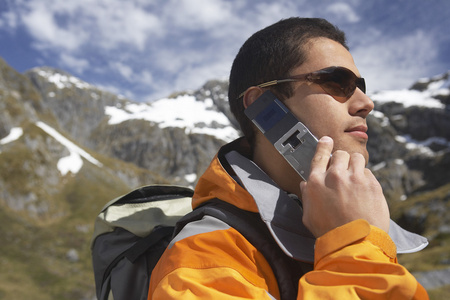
pixel 288 135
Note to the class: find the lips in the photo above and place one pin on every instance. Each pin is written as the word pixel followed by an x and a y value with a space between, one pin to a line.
pixel 359 131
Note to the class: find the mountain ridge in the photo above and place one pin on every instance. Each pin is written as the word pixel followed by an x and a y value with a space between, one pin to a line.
pixel 67 147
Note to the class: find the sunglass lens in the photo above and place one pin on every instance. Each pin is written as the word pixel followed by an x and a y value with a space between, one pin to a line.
pixel 341 82
pixel 361 84
pixel 335 88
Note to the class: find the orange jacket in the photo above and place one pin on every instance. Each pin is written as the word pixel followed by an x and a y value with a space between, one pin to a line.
pixel 214 261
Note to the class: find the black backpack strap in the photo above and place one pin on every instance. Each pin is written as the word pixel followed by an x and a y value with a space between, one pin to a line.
pixel 286 270
pixel 154 238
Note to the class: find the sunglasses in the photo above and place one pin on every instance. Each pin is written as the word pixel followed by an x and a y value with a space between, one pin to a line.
pixel 339 82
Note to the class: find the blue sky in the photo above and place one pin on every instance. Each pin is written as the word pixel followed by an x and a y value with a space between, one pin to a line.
pixel 146 50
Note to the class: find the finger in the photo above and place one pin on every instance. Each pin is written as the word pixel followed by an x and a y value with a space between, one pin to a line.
pixel 340 160
pixel 357 163
pixel 302 185
pixel 321 158
pixel 302 190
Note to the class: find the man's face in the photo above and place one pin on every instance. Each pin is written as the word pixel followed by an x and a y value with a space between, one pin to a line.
pixel 320 112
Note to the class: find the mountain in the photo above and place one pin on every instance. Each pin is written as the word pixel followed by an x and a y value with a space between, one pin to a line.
pixel 68 147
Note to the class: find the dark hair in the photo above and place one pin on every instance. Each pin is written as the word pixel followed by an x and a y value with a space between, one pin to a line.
pixel 272 53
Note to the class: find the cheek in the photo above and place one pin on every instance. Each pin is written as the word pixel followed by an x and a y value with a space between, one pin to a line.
pixel 320 113
pixel 323 124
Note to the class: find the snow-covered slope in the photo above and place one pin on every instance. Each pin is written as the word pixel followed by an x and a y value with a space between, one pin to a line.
pixel 425 92
pixel 73 162
pixel 183 112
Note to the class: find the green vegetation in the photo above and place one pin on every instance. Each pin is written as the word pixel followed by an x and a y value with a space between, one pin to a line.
pixel 35 256
pixel 440 293
pixel 45 253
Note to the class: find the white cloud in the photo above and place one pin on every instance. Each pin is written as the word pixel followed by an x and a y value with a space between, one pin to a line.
pixel 171 60
pixel 198 14
pixel 220 29
pixel 131 75
pixel 270 12
pixel 141 47
pixel 127 23
pixel 195 76
pixel 343 11
pixel 395 62
pixel 114 89
pixel 73 63
pixel 74 24
pixel 145 77
pixel 124 70
pixel 42 24
pixel 8 19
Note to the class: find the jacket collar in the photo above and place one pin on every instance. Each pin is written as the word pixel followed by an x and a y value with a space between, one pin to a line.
pixel 283 215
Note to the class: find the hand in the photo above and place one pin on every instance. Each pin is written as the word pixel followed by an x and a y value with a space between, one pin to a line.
pixel 340 190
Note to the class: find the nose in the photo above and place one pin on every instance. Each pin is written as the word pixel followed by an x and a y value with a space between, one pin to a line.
pixel 360 104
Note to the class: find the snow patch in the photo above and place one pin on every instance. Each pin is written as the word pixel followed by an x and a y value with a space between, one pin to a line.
pixel 14 134
pixel 190 177
pixel 379 115
pixel 400 139
pixel 422 146
pixel 73 162
pixel 378 166
pixel 62 81
pixel 95 96
pixel 409 98
pixel 182 112
pixel 399 161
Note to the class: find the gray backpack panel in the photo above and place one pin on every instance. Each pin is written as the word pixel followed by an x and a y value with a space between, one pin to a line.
pixel 131 233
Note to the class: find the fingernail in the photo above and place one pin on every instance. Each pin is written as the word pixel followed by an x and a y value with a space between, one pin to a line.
pixel 326 139
pixel 302 185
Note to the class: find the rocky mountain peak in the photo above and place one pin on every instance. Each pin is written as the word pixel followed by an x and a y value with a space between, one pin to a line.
pixel 67 147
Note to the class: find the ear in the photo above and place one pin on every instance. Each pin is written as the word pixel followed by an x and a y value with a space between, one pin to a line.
pixel 251 95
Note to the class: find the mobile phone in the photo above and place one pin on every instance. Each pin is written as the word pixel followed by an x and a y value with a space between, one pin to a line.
pixel 288 135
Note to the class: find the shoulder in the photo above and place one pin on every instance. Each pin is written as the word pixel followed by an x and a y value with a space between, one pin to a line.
pixel 208 245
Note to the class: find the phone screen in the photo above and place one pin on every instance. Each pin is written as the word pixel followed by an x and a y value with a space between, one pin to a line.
pixel 288 135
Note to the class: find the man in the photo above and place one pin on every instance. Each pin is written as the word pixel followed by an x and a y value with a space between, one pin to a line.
pixel 349 254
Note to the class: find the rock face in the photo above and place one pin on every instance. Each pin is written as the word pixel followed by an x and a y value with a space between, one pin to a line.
pixel 67 147
pixel 80 111
pixel 77 106
pixel 409 138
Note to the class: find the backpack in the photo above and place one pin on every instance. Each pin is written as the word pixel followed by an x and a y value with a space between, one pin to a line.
pixel 132 231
